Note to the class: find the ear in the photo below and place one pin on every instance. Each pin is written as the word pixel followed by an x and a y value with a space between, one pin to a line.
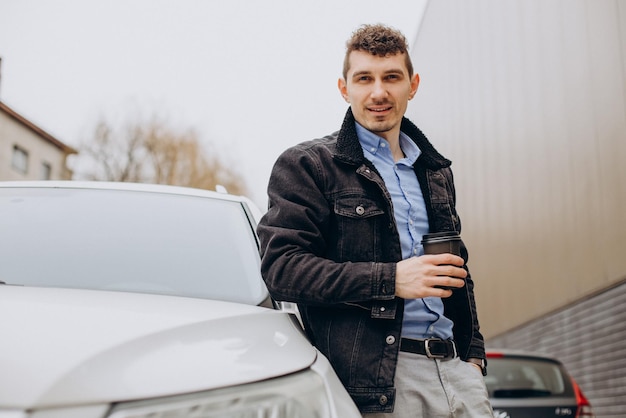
pixel 415 82
pixel 343 89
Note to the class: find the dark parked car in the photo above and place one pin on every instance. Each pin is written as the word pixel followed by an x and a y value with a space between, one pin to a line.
pixel 531 385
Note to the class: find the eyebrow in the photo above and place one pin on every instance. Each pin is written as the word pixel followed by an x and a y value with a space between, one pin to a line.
pixel 367 72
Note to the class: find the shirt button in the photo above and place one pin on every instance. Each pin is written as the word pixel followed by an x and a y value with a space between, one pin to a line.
pixel 382 309
pixel 383 400
pixel 390 339
pixel 360 210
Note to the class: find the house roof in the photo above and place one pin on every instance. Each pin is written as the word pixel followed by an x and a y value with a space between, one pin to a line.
pixel 36 129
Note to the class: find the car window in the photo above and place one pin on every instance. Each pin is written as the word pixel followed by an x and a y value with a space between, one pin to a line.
pixel 129 241
pixel 526 377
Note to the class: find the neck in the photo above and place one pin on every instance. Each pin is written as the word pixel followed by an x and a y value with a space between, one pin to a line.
pixel 396 150
pixel 393 137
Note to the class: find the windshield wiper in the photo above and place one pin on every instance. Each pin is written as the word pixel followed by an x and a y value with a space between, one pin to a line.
pixel 9 284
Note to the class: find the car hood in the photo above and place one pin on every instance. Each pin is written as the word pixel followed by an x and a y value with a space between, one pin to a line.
pixel 66 346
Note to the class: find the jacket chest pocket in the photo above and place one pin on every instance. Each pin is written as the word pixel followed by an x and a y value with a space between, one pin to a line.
pixel 358 228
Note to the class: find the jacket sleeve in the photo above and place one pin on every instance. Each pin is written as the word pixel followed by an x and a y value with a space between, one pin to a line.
pixel 294 239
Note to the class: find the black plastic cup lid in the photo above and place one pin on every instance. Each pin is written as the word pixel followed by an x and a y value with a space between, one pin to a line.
pixel 441 236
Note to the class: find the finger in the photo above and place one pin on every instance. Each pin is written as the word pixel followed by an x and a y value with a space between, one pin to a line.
pixel 456 282
pixel 449 282
pixel 477 367
pixel 456 260
pixel 451 271
pixel 458 272
pixel 444 258
pixel 443 292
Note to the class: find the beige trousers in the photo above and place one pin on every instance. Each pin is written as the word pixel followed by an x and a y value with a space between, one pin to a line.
pixel 432 388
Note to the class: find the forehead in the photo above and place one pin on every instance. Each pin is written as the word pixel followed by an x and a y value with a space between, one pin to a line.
pixel 361 61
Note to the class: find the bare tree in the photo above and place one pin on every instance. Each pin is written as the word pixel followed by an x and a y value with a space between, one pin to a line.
pixel 152 152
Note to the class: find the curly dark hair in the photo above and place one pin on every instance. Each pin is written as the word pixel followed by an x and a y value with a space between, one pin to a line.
pixel 379 40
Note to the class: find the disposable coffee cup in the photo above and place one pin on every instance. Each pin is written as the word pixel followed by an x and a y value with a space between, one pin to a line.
pixel 440 243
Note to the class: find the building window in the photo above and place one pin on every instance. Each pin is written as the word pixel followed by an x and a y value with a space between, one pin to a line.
pixel 20 159
pixel 46 171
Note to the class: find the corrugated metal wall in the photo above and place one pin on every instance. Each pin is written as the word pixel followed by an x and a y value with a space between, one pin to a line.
pixel 528 98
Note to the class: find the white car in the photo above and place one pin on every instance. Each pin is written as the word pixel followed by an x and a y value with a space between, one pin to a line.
pixel 126 300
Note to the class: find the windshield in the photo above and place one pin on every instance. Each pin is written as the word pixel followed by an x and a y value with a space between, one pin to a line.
pixel 129 241
pixel 519 377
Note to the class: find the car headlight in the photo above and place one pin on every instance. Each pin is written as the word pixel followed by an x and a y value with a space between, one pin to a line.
pixel 300 395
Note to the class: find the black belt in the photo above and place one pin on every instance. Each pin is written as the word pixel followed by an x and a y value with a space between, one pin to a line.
pixel 431 348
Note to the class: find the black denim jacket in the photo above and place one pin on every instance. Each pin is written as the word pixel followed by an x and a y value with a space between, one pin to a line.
pixel 330 243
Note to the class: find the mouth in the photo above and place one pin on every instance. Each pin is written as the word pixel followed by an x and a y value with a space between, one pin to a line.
pixel 379 109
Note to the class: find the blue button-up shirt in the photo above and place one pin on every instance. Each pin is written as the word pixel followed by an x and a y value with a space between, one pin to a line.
pixel 423 318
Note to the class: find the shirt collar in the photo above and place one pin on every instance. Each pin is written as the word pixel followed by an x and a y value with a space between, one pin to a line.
pixel 373 143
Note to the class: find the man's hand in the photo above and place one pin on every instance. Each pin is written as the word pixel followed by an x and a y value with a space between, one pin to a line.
pixel 477 367
pixel 416 277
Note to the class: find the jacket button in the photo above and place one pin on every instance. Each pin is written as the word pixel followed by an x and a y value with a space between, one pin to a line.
pixel 360 210
pixel 390 339
pixel 383 400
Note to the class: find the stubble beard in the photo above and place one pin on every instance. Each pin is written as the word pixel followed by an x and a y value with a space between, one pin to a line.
pixel 379 127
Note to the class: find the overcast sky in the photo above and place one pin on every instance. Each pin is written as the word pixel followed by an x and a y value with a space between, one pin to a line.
pixel 251 77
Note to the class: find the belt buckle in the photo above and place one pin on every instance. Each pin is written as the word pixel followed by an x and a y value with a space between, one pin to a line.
pixel 427 348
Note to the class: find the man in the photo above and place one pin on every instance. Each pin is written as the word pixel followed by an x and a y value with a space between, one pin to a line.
pixel 341 238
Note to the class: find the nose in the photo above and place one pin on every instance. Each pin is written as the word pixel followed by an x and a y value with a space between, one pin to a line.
pixel 378 90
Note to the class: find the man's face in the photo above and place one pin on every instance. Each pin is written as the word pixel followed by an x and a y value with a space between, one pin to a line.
pixel 378 90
